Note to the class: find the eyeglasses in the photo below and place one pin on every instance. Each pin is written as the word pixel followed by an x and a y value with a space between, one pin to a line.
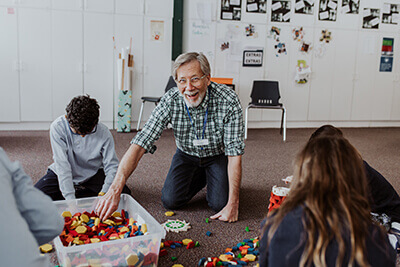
pixel 195 81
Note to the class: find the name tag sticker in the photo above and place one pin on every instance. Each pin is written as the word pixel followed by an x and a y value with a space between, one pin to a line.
pixel 201 142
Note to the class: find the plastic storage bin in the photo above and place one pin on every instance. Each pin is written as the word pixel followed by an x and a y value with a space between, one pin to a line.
pixel 113 252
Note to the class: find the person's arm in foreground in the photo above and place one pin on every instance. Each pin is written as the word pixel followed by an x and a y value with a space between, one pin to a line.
pixel 109 202
pixel 39 212
pixel 230 212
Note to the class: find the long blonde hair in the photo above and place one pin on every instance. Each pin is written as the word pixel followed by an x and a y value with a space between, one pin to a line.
pixel 329 182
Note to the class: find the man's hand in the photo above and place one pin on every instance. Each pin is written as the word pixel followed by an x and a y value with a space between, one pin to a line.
pixel 107 204
pixel 229 213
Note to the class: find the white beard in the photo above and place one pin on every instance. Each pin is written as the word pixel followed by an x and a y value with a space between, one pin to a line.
pixel 195 103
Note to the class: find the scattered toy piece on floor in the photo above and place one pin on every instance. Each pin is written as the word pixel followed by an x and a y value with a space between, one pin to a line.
pixel 174 258
pixel 245 252
pixel 207 220
pixel 169 213
pixel 186 241
pixel 208 233
pixel 247 229
pixel 176 226
pixel 46 248
pixel 177 265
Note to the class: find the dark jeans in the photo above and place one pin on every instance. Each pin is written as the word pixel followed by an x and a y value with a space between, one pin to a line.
pixel 48 184
pixel 188 175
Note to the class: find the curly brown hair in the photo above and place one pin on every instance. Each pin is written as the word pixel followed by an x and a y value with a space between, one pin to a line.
pixel 83 114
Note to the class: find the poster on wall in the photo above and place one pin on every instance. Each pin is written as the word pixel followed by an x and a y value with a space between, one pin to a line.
pixel 231 9
pixel 371 18
pixel 387 47
pixel 304 7
pixel 390 13
pixel 350 6
pixel 280 11
pixel 328 10
pixel 386 64
pixel 256 6
pixel 253 58
pixel 157 30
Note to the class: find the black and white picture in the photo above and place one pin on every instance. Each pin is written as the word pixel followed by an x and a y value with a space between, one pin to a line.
pixel 256 6
pixel 328 10
pixel 371 18
pixel 350 6
pixel 304 7
pixel 390 13
pixel 231 9
pixel 280 11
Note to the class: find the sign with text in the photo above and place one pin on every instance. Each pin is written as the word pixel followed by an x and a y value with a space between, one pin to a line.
pixel 252 58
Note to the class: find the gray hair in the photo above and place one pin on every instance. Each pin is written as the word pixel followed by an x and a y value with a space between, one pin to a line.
pixel 188 57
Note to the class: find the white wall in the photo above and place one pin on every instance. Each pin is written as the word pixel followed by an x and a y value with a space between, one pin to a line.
pixel 53 50
pixel 346 87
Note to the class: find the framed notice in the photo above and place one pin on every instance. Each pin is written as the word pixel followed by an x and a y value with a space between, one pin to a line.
pixel 304 7
pixel 256 6
pixel 328 10
pixel 231 9
pixel 371 18
pixel 252 58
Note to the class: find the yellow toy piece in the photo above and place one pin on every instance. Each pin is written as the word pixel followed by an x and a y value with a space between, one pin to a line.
pixel 177 265
pixel 116 214
pixel 186 241
pixel 96 221
pixel 162 245
pixel 169 213
pixel 66 214
pixel 132 259
pixel 46 248
pixel 144 228
pixel 225 257
pixel 250 257
pixel 81 229
pixel 84 218
pixel 94 240
pixel 109 222
pixel 102 194
pixel 123 229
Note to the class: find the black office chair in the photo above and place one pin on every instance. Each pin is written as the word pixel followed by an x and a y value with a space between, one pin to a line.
pixel 171 84
pixel 265 94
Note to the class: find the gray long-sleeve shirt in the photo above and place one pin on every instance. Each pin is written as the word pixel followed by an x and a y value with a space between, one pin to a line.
pixel 77 158
pixel 29 219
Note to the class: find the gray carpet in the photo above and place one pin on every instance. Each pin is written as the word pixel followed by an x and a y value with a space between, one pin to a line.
pixel 266 161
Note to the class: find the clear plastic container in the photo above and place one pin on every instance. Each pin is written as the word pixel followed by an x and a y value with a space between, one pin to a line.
pixel 143 248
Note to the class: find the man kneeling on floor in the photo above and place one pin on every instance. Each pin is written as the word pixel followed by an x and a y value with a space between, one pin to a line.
pixel 207 121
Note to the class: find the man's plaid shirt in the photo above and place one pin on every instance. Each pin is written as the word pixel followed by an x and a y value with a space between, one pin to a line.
pixel 224 127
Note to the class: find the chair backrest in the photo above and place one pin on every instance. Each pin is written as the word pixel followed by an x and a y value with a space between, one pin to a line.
pixel 265 93
pixel 171 84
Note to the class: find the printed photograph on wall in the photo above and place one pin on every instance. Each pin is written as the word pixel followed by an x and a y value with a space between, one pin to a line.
pixel 280 10
pixel 304 7
pixel 350 6
pixel 231 9
pixel 371 18
pixel 328 10
pixel 390 13
pixel 256 6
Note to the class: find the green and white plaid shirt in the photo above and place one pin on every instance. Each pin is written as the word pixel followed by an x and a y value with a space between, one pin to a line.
pixel 224 128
